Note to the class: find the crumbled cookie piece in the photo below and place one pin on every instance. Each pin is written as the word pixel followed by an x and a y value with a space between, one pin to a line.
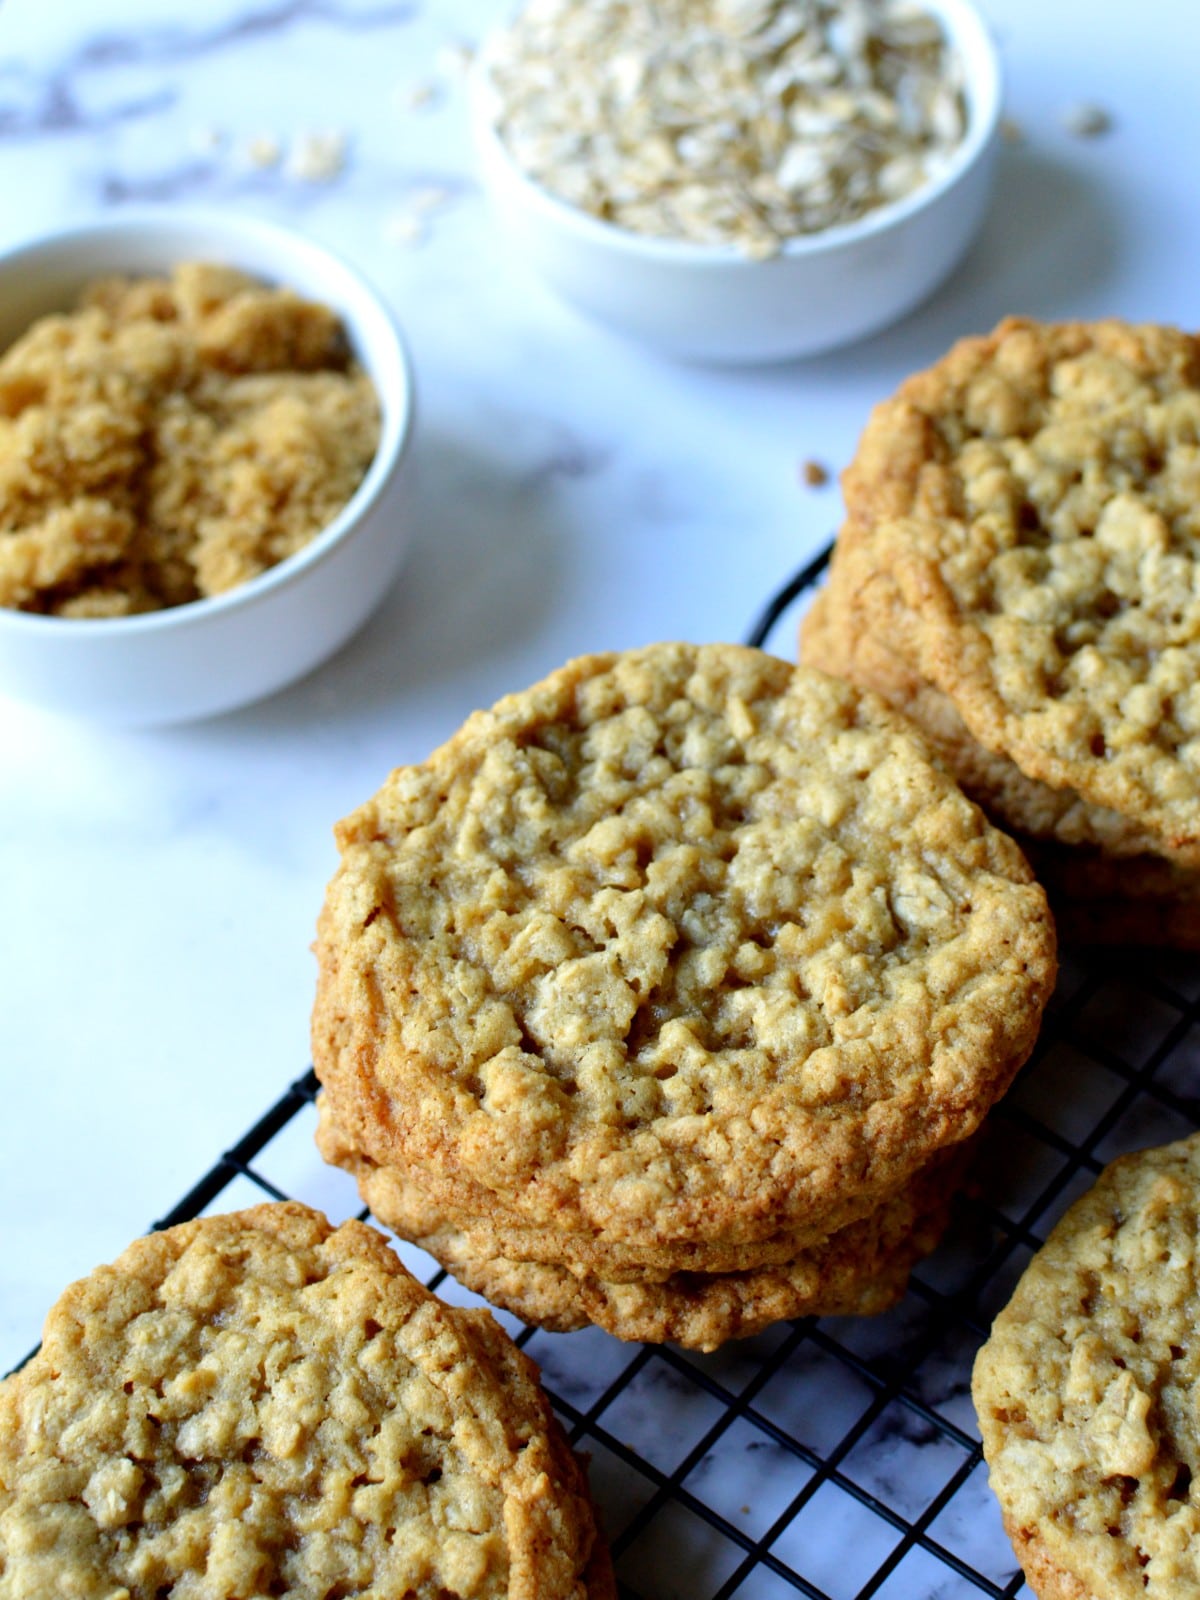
pixel 172 438
pixel 1085 119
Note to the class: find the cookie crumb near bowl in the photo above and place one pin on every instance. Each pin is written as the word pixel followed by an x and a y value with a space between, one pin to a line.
pixel 1086 120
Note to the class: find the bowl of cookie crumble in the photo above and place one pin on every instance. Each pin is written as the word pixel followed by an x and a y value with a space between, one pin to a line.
pixel 739 181
pixel 203 431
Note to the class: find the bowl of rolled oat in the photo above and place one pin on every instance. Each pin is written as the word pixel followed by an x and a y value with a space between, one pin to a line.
pixel 203 430
pixel 739 180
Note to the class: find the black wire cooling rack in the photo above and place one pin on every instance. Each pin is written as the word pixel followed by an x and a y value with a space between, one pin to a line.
pixel 832 1458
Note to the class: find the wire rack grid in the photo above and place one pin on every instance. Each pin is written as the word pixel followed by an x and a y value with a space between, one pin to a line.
pixel 836 1458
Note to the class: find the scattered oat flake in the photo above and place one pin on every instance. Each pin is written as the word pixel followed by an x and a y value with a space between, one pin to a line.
pixel 405 228
pixel 318 156
pixel 1011 131
pixel 206 139
pixel 433 197
pixel 1085 119
pixel 420 96
pixel 741 122
pixel 263 151
pixel 454 59
pixel 814 474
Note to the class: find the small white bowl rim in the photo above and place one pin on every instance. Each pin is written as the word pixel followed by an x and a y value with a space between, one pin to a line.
pixel 982 73
pixel 394 436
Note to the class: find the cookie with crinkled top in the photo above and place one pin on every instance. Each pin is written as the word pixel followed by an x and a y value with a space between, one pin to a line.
pixel 683 943
pixel 260 1404
pixel 855 629
pixel 1104 884
pixel 1108 881
pixel 1034 502
pixel 1086 1390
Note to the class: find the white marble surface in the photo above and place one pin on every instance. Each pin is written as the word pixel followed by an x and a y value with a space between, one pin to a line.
pixel 159 889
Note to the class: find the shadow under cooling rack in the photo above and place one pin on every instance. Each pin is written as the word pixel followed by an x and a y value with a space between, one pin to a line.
pixel 832 1458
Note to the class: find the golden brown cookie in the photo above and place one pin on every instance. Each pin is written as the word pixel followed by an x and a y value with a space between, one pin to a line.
pixel 1086 1390
pixel 1104 885
pixel 860 1270
pixel 854 629
pixel 679 944
pixel 259 1404
pixel 1033 500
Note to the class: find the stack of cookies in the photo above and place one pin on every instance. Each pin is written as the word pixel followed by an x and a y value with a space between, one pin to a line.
pixel 1019 572
pixel 258 1404
pixel 668 993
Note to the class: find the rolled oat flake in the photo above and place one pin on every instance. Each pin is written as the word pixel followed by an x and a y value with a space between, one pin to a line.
pixel 738 122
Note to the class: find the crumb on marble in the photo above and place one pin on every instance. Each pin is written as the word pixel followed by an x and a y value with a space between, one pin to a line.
pixel 1011 131
pixel 1086 120
pixel 815 474
pixel 171 438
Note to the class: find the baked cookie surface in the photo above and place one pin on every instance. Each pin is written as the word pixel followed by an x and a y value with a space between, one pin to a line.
pixel 1034 499
pixel 258 1404
pixel 681 941
pixel 853 629
pixel 1086 1390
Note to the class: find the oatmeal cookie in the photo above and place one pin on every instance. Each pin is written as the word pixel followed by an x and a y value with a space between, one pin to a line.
pixel 860 1270
pixel 258 1403
pixel 1104 884
pixel 684 943
pixel 856 628
pixel 1086 1391
pixel 1034 499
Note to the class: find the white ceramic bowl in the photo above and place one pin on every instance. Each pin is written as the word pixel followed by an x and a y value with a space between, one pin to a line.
pixel 210 655
pixel 710 303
